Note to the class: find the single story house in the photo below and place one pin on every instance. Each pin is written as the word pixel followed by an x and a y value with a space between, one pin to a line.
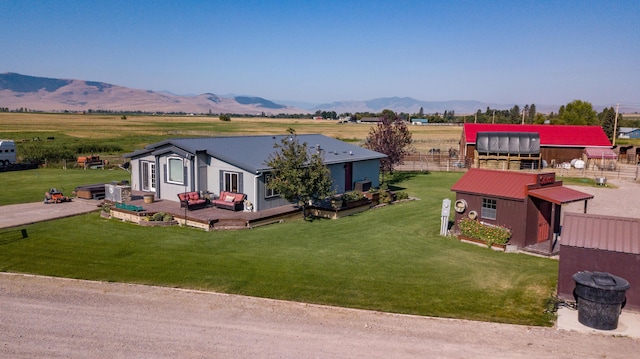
pixel 527 203
pixel 629 132
pixel 599 243
pixel 558 143
pixel 238 164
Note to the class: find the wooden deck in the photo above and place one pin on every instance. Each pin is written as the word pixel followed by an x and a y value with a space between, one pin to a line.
pixel 208 218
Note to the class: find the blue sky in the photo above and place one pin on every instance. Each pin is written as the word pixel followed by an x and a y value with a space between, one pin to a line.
pixel 542 52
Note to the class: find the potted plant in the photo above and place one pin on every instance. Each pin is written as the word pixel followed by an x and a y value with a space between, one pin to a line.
pixel 105 210
pixel 373 195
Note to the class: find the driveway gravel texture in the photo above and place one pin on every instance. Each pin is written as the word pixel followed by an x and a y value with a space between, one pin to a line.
pixel 45 317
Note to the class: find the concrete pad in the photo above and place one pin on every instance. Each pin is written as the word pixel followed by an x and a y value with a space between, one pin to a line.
pixel 628 323
pixel 15 215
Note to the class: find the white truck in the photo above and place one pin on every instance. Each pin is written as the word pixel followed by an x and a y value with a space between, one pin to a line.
pixel 7 153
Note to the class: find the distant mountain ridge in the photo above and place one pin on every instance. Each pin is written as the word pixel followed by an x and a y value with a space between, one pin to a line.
pixel 49 94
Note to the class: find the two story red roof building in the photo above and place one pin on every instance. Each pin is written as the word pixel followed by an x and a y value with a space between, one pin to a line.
pixel 557 143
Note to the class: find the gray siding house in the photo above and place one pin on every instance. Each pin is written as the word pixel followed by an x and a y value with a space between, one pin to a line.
pixel 238 164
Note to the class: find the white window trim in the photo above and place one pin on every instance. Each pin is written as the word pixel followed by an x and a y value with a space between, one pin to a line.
pixel 231 174
pixel 485 212
pixel 169 170
pixel 267 190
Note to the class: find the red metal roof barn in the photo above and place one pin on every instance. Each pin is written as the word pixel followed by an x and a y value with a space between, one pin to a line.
pixel 558 143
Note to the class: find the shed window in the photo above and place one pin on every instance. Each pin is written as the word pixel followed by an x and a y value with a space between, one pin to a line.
pixel 176 170
pixel 488 208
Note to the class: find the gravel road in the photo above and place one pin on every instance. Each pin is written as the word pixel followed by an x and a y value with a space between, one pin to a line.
pixel 43 317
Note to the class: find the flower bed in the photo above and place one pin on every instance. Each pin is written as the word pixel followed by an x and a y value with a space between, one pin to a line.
pixel 490 234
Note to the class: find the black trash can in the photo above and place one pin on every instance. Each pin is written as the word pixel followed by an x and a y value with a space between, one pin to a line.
pixel 600 297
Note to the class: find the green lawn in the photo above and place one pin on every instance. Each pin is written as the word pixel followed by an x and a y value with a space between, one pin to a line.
pixel 390 259
pixel 30 186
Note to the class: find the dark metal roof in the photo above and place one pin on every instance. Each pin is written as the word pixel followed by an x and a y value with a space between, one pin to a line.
pixel 521 143
pixel 616 234
pixel 559 194
pixel 252 152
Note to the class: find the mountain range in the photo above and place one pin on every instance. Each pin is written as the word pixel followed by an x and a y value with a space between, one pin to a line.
pixel 58 95
pixel 49 94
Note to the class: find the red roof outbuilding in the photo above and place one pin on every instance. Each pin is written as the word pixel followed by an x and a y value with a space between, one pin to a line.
pixel 550 135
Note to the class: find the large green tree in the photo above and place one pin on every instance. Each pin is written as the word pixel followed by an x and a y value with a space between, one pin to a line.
pixel 607 120
pixel 299 173
pixel 577 113
pixel 391 137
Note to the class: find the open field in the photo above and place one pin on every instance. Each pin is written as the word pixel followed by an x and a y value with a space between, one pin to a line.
pixel 390 259
pixel 137 131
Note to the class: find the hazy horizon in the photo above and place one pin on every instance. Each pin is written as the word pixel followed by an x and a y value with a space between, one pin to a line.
pixel 494 52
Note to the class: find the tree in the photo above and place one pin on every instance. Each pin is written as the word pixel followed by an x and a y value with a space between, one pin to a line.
pixel 224 117
pixel 514 114
pixel 607 121
pixel 577 113
pixel 531 114
pixel 391 137
pixel 299 173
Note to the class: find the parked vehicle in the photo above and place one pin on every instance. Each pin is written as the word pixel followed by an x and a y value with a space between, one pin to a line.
pixel 7 153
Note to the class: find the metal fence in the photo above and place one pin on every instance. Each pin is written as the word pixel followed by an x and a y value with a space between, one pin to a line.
pixel 444 162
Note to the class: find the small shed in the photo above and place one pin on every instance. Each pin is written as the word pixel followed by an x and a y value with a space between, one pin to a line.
pixel 599 158
pixel 527 203
pixel 600 243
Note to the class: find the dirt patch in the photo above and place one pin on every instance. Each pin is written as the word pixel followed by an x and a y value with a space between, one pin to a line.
pixel 63 318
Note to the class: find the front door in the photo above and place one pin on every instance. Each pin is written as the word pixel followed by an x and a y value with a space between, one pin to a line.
pixel 348 176
pixel 148 176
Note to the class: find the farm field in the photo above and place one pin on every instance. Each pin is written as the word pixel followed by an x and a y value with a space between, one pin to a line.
pixel 135 132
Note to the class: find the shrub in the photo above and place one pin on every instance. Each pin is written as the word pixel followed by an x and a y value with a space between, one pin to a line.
pixel 352 196
pixel 401 195
pixel 490 234
pixel 161 217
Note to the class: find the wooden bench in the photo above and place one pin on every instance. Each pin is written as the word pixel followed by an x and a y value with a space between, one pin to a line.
pixel 192 200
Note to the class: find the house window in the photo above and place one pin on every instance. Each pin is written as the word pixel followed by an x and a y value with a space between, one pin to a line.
pixel 488 208
pixel 268 191
pixel 176 170
pixel 230 182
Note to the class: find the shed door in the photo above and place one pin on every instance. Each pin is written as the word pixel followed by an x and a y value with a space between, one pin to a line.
pixel 544 216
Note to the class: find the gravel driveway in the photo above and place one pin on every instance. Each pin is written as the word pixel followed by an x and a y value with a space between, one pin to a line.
pixel 43 317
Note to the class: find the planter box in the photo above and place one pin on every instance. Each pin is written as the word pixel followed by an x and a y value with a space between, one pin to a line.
pixel 482 243
pixel 374 197
pixel 358 203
